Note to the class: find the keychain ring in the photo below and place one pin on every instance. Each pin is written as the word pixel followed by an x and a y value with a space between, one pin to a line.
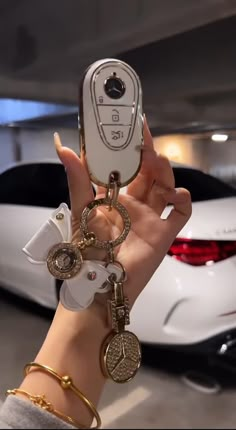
pixel 106 244
pixel 123 276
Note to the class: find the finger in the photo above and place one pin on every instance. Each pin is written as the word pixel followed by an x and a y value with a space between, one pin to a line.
pixel 181 212
pixel 80 188
pixel 101 191
pixel 148 141
pixel 143 181
pixel 162 189
pixel 163 181
pixel 155 168
pixel 158 198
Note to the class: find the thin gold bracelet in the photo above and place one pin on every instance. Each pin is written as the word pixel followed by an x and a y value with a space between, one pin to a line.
pixel 66 383
pixel 40 401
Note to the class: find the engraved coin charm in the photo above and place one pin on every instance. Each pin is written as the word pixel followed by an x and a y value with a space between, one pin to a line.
pixel 64 260
pixel 122 356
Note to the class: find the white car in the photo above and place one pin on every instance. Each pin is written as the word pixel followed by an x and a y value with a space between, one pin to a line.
pixel 29 192
pixel 190 300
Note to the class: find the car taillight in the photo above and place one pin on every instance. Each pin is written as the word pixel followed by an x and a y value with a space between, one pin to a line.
pixel 201 252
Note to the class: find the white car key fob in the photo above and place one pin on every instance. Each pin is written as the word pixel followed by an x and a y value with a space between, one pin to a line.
pixel 111 121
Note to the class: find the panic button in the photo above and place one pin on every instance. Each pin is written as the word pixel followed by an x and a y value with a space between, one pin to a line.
pixel 116 136
pixel 110 115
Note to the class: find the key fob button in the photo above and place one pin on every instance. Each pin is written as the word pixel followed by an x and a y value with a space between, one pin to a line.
pixel 116 136
pixel 115 115
pixel 107 95
pixel 114 87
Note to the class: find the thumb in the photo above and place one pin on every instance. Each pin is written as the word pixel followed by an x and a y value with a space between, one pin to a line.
pixel 181 212
pixel 80 187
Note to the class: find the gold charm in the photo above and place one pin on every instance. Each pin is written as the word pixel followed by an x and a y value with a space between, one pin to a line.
pixel 64 260
pixel 122 356
pixel 121 349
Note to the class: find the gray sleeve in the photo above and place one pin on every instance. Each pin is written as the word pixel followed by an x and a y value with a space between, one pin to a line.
pixel 16 413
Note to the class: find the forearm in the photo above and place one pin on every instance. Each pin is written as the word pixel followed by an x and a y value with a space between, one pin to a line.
pixel 72 347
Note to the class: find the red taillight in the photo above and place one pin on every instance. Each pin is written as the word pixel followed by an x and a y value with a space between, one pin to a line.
pixel 201 252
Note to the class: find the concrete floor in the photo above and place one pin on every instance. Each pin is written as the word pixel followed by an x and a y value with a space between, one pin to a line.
pixel 156 398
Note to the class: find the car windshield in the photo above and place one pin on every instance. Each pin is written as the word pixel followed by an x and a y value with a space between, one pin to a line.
pixel 201 185
pixel 34 184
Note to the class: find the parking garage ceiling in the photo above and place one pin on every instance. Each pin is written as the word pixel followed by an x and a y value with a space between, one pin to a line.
pixel 183 51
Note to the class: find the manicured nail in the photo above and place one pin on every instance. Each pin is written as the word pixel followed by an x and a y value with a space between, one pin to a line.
pixel 57 142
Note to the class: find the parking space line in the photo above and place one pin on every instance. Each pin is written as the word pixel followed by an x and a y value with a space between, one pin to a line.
pixel 121 406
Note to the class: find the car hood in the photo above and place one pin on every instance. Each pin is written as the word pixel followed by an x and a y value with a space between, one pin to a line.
pixel 212 219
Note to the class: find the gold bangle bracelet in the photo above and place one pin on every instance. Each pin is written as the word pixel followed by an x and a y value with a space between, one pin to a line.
pixel 66 383
pixel 41 401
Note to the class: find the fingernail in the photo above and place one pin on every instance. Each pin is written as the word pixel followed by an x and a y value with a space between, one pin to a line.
pixel 57 141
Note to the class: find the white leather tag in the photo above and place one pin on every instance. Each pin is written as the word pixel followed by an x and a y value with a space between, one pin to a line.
pixel 78 293
pixel 54 230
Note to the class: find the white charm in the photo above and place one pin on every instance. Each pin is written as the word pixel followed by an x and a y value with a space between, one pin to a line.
pixel 55 230
pixel 78 293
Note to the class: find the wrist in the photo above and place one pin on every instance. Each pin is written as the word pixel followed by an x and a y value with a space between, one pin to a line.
pixel 72 347
pixel 77 331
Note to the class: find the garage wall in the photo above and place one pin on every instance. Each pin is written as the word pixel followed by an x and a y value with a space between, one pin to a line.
pixel 6 147
pixel 182 149
pixel 30 145
pixel 203 154
pixel 219 152
pixel 38 144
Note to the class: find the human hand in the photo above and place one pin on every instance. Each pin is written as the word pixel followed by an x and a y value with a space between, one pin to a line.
pixel 77 336
pixel 147 196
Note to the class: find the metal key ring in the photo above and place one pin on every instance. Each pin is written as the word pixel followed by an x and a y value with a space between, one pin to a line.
pixel 123 276
pixel 106 244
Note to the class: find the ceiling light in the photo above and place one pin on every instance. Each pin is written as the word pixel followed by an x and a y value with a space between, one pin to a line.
pixel 219 137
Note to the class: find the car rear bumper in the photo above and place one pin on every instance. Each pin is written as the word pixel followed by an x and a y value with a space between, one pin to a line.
pixel 185 305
